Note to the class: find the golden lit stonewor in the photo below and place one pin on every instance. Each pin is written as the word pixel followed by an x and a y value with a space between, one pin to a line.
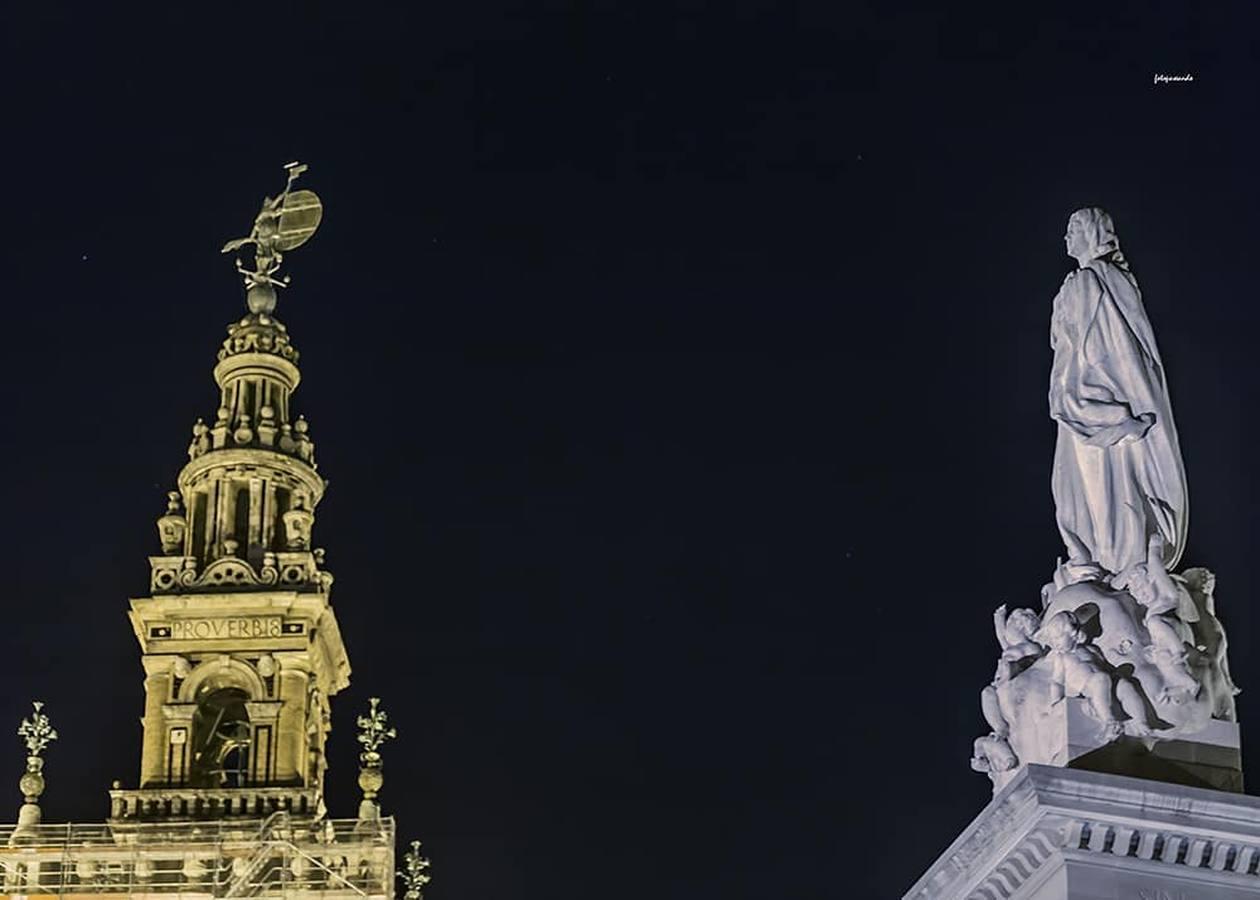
pixel 242 656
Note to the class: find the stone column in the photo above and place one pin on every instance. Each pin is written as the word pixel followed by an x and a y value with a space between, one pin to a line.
pixel 157 688
pixel 291 730
pixel 254 545
pixel 264 715
pixel 174 768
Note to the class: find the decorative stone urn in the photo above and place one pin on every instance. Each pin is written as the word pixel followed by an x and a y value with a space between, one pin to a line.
pixel 172 526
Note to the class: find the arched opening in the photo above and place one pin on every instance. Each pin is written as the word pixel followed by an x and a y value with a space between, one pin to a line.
pixel 221 739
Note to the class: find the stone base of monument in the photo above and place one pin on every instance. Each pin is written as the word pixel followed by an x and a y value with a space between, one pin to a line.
pixel 1069 735
pixel 1066 834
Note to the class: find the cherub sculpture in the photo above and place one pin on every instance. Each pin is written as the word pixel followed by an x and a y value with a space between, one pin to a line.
pixel 1210 642
pixel 1080 670
pixel 991 754
pixel 1015 631
pixel 1170 610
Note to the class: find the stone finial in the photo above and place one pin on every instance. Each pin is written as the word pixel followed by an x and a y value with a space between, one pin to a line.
pixel 37 733
pixel 298 522
pixel 267 428
pixel 200 439
pixel 303 445
pixel 374 731
pixel 243 434
pixel 172 526
pixel 414 873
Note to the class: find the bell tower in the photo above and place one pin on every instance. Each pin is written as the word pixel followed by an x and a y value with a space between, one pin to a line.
pixel 238 636
pixel 241 655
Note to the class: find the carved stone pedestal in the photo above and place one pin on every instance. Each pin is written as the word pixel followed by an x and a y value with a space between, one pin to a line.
pixel 1066 834
pixel 1069 735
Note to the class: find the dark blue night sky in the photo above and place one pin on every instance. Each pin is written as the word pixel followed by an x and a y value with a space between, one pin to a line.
pixel 679 374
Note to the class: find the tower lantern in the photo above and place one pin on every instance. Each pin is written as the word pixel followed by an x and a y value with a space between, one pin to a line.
pixel 239 641
pixel 241 655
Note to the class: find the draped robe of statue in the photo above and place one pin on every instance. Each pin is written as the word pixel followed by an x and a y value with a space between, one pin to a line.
pixel 1118 476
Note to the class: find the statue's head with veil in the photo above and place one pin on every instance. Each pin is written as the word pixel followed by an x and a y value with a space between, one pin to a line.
pixel 1092 235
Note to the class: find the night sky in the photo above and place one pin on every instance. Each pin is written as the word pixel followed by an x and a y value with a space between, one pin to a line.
pixel 679 375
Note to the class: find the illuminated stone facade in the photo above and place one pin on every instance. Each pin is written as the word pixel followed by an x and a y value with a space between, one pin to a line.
pixel 240 644
pixel 242 656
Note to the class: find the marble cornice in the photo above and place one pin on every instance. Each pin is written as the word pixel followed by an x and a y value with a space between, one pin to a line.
pixel 1212 837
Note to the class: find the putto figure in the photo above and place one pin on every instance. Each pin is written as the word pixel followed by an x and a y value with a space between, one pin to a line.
pixel 1016 632
pixel 1080 670
pixel 1118 475
pixel 1170 615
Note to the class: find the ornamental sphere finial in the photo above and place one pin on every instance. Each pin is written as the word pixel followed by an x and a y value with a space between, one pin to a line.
pixel 36 733
pixel 374 730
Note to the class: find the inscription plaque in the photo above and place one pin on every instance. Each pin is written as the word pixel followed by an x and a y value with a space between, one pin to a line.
pixel 225 628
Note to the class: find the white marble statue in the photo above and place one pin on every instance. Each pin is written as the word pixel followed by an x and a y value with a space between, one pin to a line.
pixel 1118 475
pixel 1123 647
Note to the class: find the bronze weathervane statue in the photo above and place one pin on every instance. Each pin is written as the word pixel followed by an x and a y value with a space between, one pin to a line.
pixel 284 223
